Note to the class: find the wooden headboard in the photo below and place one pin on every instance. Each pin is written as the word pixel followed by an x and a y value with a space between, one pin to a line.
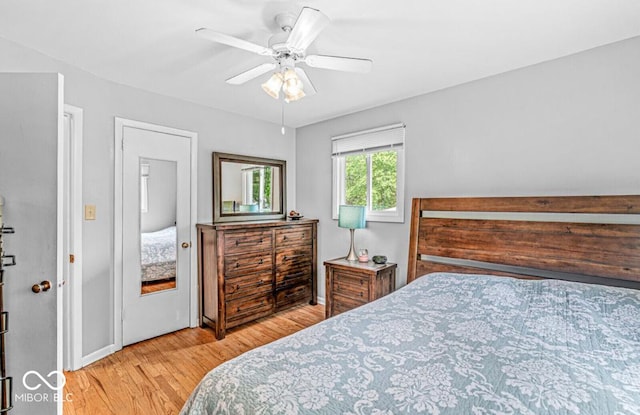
pixel 582 238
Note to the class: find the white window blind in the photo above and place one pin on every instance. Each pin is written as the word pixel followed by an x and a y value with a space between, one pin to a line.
pixel 373 140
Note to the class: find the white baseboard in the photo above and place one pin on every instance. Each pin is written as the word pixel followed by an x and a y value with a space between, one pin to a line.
pixel 321 300
pixel 98 354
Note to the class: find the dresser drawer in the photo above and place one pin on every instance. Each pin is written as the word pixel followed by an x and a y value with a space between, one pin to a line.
pixel 250 263
pixel 248 285
pixel 300 235
pixel 292 275
pixel 294 294
pixel 293 257
pixel 248 308
pixel 235 242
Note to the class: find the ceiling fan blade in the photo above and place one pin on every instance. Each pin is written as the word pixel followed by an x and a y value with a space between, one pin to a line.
pixel 218 37
pixel 339 63
pixel 308 26
pixel 309 89
pixel 251 73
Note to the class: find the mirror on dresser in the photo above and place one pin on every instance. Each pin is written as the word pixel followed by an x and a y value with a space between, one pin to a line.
pixel 248 188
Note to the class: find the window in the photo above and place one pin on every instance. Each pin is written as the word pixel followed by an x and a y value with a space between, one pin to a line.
pixel 144 187
pixel 368 170
pixel 257 187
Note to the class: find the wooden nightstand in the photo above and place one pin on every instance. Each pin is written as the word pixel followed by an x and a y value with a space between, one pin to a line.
pixel 352 284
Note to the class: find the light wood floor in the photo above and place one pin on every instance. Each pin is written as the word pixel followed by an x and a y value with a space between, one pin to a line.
pixel 157 376
pixel 153 286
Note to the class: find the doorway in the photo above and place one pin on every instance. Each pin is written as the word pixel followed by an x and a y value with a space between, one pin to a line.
pixel 154 231
pixel 72 247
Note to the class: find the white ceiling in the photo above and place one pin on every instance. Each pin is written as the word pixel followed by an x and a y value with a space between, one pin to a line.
pixel 417 46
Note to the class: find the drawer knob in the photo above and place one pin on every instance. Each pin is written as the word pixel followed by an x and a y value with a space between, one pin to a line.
pixel 260 262
pixel 238 287
pixel 284 238
pixel 237 264
pixel 361 294
pixel 260 282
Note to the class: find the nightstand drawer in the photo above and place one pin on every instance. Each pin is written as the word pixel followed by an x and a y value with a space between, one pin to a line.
pixel 351 278
pixel 357 288
pixel 235 242
pixel 236 265
pixel 248 285
pixel 342 303
pixel 293 237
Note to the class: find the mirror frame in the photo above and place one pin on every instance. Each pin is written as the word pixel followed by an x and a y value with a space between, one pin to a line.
pixel 218 215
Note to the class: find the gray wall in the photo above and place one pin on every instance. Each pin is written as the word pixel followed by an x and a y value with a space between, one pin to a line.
pixel 231 182
pixel 565 127
pixel 162 185
pixel 102 101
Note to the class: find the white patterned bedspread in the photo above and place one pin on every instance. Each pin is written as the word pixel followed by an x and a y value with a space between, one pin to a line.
pixel 448 344
pixel 158 254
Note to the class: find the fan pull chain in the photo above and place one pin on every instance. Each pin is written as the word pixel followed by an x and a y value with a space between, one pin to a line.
pixel 282 130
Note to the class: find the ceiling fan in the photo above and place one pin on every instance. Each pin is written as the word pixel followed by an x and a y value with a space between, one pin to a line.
pixel 288 48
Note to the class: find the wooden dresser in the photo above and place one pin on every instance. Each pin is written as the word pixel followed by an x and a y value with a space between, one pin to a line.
pixel 249 270
pixel 350 284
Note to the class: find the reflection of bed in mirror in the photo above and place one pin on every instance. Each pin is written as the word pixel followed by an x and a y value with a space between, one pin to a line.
pixel 158 255
pixel 158 213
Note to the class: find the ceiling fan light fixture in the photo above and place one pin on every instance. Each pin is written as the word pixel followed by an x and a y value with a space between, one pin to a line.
pixel 273 85
pixel 294 97
pixel 292 83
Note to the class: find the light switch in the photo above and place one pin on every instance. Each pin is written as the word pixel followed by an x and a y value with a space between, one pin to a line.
pixel 89 212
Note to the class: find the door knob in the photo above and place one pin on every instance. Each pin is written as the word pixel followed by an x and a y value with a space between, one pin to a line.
pixel 186 245
pixel 43 286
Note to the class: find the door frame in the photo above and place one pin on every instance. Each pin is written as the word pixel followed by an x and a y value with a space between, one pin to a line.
pixel 73 196
pixel 120 124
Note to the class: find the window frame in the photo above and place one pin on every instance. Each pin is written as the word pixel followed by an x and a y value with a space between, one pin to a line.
pixel 338 175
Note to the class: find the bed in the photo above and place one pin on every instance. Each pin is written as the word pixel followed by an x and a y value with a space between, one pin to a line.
pixel 459 341
pixel 158 255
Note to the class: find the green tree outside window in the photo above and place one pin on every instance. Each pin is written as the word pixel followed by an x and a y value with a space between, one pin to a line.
pixel 383 179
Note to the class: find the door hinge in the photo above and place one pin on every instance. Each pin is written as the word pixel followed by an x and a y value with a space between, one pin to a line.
pixel 72 258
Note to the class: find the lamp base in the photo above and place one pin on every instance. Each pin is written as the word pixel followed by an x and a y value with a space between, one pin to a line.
pixel 351 256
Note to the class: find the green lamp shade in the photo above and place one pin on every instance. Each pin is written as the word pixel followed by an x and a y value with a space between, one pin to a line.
pixel 351 217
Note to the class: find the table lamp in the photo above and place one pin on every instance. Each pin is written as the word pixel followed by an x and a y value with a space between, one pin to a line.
pixel 352 218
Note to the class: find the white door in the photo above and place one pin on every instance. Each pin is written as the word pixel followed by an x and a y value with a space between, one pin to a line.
pixel 31 124
pixel 156 203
